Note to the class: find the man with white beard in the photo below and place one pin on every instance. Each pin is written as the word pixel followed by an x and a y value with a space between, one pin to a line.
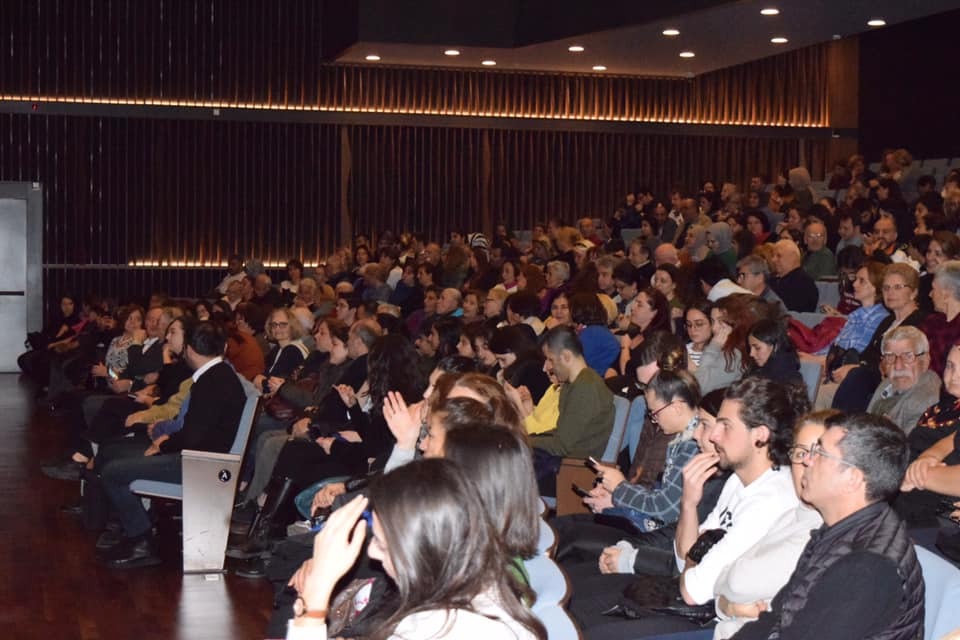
pixel 909 386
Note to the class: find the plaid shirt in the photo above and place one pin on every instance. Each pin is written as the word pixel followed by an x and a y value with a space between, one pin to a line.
pixel 860 327
pixel 663 501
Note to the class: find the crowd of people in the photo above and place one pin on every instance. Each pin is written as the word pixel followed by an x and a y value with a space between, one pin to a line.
pixel 419 398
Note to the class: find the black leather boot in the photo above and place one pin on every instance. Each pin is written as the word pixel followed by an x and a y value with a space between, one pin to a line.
pixel 269 521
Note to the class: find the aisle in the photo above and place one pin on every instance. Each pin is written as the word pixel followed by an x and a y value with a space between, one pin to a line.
pixel 50 586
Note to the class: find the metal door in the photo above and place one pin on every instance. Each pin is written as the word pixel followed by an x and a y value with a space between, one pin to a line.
pixel 20 268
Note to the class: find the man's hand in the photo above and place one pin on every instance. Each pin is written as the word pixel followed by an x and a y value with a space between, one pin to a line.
pixel 695 474
pixel 609 558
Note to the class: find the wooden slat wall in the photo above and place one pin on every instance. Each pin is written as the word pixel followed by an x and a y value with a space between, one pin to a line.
pixel 121 190
pixel 265 52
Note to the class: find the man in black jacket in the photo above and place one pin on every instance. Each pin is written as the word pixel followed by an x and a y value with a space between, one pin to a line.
pixel 858 577
pixel 210 424
pixel 797 289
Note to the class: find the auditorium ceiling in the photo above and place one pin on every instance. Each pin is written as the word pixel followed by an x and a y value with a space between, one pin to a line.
pixel 620 37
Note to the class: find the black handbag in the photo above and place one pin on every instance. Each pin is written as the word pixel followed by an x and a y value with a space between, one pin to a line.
pixel 657 596
pixel 660 595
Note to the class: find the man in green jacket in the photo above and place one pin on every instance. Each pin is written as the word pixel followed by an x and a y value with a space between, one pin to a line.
pixel 586 409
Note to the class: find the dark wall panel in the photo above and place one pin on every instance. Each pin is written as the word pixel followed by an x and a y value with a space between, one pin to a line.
pixel 540 174
pixel 119 191
pixel 415 179
pixel 124 190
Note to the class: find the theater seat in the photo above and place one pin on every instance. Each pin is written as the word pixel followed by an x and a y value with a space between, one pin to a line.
pixel 207 490
pixel 942 584
pixel 550 584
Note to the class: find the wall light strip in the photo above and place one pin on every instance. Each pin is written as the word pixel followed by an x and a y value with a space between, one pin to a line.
pixel 218 105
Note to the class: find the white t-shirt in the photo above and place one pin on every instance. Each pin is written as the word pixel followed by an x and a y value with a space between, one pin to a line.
pixel 766 566
pixel 747 513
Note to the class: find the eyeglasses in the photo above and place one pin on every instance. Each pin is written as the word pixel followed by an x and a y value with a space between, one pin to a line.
pixel 279 325
pixel 697 324
pixel 894 287
pixel 906 358
pixel 816 449
pixel 654 416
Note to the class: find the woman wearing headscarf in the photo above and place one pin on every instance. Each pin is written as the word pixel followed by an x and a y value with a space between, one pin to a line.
pixel 719 240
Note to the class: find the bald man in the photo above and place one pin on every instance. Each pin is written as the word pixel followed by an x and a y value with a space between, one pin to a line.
pixel 797 289
pixel 666 253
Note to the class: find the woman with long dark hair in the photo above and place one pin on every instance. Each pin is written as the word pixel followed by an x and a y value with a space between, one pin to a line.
pixel 650 312
pixel 435 540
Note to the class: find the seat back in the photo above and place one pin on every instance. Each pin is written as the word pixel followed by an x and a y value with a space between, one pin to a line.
pixel 621 407
pixel 246 418
pixel 942 593
pixel 547 539
pixel 811 370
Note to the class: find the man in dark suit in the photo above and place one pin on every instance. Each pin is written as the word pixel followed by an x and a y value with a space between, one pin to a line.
pixel 215 405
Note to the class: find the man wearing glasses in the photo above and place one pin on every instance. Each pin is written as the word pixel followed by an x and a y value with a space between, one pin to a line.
pixel 909 387
pixel 753 274
pixel 858 577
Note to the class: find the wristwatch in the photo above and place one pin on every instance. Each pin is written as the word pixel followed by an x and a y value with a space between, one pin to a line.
pixel 300 610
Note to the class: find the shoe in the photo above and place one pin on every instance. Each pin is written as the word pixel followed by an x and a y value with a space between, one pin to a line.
pixel 109 539
pixel 268 523
pixel 69 470
pixel 254 569
pixel 132 553
pixel 242 517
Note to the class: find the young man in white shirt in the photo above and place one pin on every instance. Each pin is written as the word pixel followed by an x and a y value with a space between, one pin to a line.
pixel 752 438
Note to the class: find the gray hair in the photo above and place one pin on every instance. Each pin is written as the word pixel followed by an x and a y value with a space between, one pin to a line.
pixel 916 337
pixel 756 265
pixel 949 276
pixel 562 269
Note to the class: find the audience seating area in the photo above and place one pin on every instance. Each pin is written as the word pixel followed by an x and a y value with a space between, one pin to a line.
pixel 544 324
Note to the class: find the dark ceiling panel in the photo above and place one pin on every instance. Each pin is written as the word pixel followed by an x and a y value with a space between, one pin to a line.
pixel 545 20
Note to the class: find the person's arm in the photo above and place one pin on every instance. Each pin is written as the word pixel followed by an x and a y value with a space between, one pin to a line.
pixel 335 550
pixel 927 464
pixel 857 597
pixel 712 372
pixel 663 502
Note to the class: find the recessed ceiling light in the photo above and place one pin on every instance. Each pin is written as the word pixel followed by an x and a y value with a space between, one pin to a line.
pixel 687 54
pixel 671 32
pixel 769 11
pixel 575 48
pixel 451 52
pixel 877 22
pixel 489 63
pixel 373 57
pixel 599 67
pixel 778 40
pixel 837 36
